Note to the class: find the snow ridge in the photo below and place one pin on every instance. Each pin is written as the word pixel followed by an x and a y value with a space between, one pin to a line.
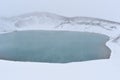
pixel 50 21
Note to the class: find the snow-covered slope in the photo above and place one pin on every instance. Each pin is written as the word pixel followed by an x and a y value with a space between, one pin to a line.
pixel 33 20
pixel 50 21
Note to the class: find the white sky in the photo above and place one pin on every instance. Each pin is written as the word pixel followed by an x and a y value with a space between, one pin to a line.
pixel 107 9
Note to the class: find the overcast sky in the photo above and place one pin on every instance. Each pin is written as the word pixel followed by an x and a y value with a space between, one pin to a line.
pixel 107 9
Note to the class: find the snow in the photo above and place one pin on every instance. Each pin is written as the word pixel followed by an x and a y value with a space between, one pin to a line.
pixel 88 70
pixel 84 70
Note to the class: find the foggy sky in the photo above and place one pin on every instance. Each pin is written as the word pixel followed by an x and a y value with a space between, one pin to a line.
pixel 106 9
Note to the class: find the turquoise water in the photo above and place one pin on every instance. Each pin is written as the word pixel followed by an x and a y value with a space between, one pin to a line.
pixel 53 46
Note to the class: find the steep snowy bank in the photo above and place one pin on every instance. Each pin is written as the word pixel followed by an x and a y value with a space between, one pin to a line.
pixel 49 21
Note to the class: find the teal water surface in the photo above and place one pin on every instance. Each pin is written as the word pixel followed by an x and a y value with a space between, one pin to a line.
pixel 53 46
